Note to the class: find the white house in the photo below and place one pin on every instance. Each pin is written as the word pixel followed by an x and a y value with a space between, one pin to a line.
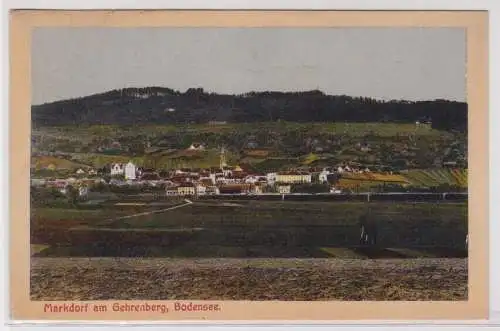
pixel 251 179
pixel 334 190
pixel 212 190
pixel 196 147
pixel 284 189
pixel 186 189
pixel 83 191
pixel 227 171
pixel 340 170
pixel 323 176
pixel 271 177
pixel 130 171
pixel 171 190
pixel 80 171
pixel 117 169
pixel 201 189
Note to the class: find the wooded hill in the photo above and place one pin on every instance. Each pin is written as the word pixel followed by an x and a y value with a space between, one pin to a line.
pixel 135 106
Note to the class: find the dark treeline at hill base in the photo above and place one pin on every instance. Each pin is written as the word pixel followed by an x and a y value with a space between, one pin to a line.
pixel 157 105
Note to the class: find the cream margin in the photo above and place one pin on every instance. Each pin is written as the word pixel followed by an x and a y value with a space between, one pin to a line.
pixel 476 22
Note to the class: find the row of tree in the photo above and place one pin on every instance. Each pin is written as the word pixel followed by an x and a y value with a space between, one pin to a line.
pixel 163 105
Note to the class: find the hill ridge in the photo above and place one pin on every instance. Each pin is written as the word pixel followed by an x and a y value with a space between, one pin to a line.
pixel 163 105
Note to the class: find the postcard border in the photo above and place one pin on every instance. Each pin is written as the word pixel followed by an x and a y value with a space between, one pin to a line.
pixel 22 22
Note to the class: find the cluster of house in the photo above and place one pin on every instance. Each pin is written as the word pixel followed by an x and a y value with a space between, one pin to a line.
pixel 223 180
pixel 62 185
pixel 216 180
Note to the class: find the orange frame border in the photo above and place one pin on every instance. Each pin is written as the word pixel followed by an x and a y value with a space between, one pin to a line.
pixel 22 22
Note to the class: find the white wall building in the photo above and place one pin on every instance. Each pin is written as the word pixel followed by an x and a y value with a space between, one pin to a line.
pixel 170 191
pixel 323 176
pixel 271 178
pixel 201 190
pixel 83 191
pixel 130 171
pixel 212 190
pixel 196 147
pixel 284 189
pixel 251 179
pixel 117 169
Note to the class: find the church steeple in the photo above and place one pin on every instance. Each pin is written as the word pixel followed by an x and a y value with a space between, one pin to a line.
pixel 223 163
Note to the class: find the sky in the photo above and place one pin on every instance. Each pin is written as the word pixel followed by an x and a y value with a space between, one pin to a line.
pixel 384 63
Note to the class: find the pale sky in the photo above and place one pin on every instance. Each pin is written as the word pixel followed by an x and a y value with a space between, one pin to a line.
pixel 385 63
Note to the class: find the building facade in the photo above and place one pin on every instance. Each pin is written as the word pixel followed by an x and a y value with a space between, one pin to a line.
pixel 293 177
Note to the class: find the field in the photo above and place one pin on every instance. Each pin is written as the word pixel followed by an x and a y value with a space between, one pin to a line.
pixel 415 177
pixel 251 229
pixel 249 279
pixel 368 180
pixel 435 177
pixel 295 144
pixel 41 162
pixel 355 129
pixel 255 250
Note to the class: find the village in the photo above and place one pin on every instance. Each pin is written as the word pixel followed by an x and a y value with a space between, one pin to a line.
pixel 345 177
pixel 212 181
pixel 220 180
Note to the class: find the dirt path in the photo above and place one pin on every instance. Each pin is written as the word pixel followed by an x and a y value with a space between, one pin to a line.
pixel 188 202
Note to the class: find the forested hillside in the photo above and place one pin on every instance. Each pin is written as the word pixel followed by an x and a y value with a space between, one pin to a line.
pixel 165 106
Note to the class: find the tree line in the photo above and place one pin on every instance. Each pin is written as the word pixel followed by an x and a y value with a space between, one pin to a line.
pixel 162 105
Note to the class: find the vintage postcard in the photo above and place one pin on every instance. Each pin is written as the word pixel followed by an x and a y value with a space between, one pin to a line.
pixel 260 165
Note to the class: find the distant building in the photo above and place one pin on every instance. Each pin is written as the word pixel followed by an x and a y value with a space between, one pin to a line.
pixel 207 180
pixel 251 144
pixel 212 190
pixel 251 179
pixel 130 171
pixel 201 189
pixel 235 188
pixel 196 147
pixel 271 177
pixel 256 189
pixel 186 189
pixel 284 189
pixel 171 191
pixel 117 169
pixel 323 176
pixel 80 171
pixel 293 177
pixel 334 190
pixel 83 191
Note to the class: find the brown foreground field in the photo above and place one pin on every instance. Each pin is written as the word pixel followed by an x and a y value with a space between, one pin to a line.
pixel 248 279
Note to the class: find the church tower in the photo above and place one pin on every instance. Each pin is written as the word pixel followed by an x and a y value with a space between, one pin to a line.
pixel 223 163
